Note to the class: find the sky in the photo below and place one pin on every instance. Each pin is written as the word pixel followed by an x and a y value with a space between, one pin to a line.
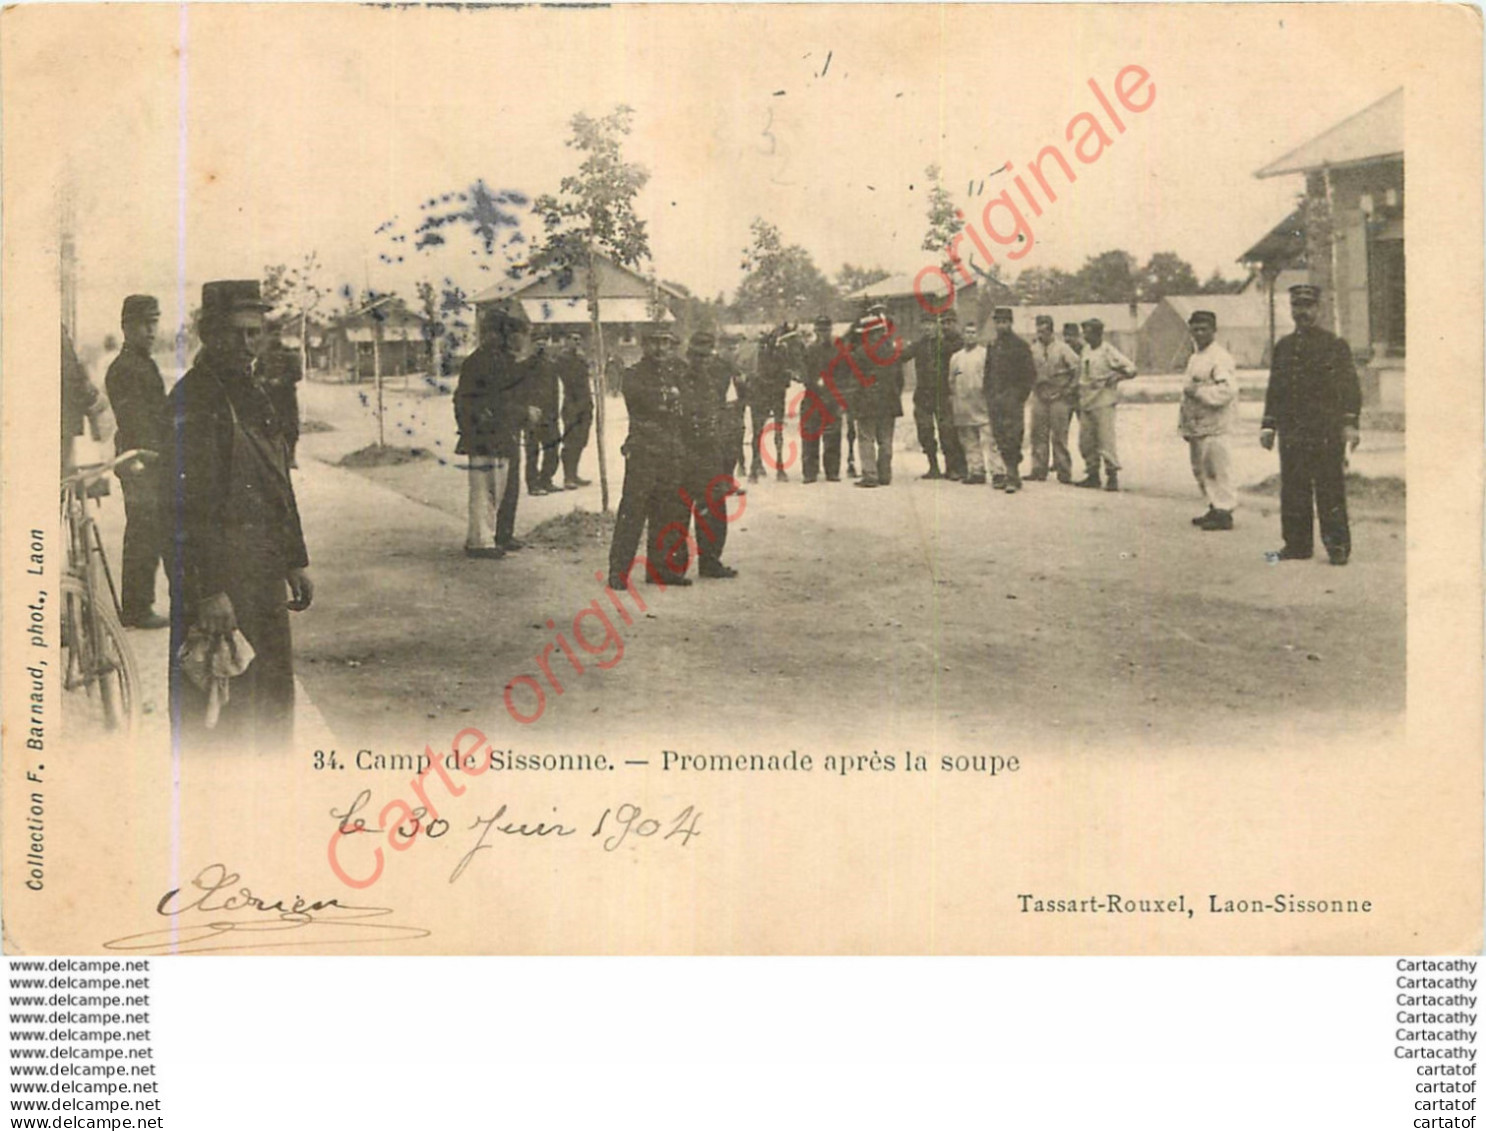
pixel 207 142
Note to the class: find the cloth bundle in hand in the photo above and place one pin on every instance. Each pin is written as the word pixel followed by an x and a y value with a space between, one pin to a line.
pixel 211 660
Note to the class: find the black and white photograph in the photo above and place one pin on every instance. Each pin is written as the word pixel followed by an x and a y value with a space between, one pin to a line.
pixel 934 461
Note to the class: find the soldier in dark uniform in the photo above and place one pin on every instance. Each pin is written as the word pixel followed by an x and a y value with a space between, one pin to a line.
pixel 577 409
pixel 877 400
pixel 544 430
pixel 734 428
pixel 932 404
pixel 652 468
pixel 137 393
pixel 780 360
pixel 278 370
pixel 820 418
pixel 1313 403
pixel 490 408
pixel 704 480
pixel 1009 376
pixel 239 560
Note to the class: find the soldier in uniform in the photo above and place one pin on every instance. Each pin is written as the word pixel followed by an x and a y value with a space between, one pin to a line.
pixel 1101 369
pixel 878 403
pixel 1009 376
pixel 1312 403
pixel 780 360
pixel 489 410
pixel 932 400
pixel 1209 404
pixel 277 369
pixel 652 468
pixel 820 422
pixel 239 560
pixel 577 409
pixel 544 429
pixel 705 482
pixel 137 393
pixel 734 427
pixel 1053 398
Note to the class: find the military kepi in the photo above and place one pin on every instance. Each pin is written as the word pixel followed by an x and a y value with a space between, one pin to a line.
pixel 1203 318
pixel 1002 314
pixel 138 308
pixel 1305 292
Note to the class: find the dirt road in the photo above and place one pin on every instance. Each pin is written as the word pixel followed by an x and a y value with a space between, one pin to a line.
pixel 1057 618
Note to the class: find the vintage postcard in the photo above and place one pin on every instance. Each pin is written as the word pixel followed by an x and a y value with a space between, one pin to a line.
pixel 742 479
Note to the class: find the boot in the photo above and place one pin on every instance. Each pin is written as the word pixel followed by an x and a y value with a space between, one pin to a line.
pixel 1090 480
pixel 1217 520
pixel 933 472
pixel 1112 480
pixel 1203 519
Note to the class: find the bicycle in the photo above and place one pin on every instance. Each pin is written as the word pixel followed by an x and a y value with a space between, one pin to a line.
pixel 100 675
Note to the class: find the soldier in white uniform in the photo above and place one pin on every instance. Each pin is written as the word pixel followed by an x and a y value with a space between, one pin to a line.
pixel 972 417
pixel 1209 402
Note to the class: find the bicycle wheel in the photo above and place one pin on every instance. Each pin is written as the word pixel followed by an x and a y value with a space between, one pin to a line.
pixel 100 677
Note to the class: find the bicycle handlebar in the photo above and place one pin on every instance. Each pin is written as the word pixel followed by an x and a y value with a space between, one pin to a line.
pixel 90 472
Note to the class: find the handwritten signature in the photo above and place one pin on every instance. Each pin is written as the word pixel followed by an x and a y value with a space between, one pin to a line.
pixel 256 922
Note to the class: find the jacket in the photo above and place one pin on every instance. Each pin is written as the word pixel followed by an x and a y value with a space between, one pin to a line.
pixel 1313 389
pixel 1010 372
pixel 236 517
pixel 1210 396
pixel 490 404
pixel 137 393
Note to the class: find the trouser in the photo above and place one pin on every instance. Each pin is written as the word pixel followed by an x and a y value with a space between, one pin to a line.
pixel 578 425
pixel 146 540
pixel 488 483
pixel 705 508
pixel 651 497
pixel 1096 439
pixel 734 439
pixel 830 448
pixel 811 434
pixel 1008 427
pixel 1210 467
pixel 851 439
pixel 980 451
pixel 1050 421
pixel 1313 475
pixel 771 408
pixel 875 434
pixel 258 716
pixel 542 442
pixel 926 417
pixel 505 514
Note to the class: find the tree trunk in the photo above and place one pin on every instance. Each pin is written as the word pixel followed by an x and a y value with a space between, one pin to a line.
pixel 377 376
pixel 598 377
pixel 304 345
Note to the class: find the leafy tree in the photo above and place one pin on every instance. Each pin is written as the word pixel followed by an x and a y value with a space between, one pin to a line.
pixel 1045 286
pixel 1109 276
pixel 853 278
pixel 944 223
pixel 1167 273
pixel 781 280
pixel 593 213
pixel 1217 285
